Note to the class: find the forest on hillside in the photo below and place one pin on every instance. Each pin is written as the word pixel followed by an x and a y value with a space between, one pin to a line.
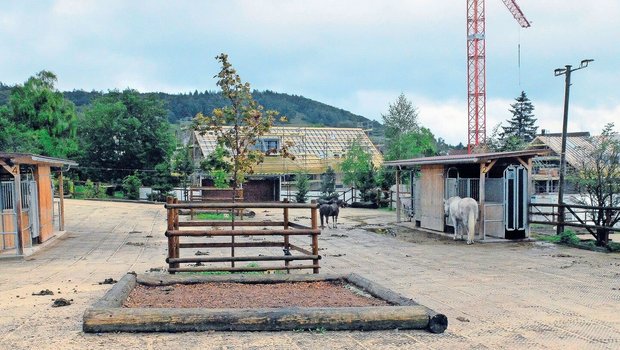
pixel 184 106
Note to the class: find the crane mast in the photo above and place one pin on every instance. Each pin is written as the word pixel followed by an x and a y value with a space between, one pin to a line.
pixel 476 73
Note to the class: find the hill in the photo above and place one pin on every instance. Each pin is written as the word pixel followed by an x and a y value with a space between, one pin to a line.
pixel 298 109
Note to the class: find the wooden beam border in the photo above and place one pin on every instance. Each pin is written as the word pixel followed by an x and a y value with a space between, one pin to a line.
pixel 108 315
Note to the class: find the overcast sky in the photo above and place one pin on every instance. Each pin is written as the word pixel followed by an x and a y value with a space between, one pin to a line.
pixel 358 55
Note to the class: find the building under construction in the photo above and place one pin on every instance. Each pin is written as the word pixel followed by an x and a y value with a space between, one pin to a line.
pixel 314 149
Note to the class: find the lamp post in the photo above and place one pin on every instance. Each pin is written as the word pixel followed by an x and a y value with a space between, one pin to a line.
pixel 567 70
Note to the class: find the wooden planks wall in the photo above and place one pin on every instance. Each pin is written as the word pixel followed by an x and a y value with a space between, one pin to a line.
pixel 431 186
pixel 44 189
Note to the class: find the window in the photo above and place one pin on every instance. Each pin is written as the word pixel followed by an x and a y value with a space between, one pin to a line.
pixel 267 145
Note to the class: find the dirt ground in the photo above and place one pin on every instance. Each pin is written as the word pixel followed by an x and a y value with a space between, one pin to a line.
pixel 496 295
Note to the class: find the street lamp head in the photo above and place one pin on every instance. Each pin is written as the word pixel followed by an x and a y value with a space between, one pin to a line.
pixel 584 63
pixel 559 71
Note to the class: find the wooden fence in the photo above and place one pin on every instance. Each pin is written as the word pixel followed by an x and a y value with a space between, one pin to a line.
pixel 241 234
pixel 581 215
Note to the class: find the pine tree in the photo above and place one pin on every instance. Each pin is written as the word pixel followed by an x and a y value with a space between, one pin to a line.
pixel 402 118
pixel 521 129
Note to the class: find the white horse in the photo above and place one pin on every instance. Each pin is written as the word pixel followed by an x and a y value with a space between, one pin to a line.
pixel 462 212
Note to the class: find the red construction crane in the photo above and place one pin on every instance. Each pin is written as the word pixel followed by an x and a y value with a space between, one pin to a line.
pixel 476 84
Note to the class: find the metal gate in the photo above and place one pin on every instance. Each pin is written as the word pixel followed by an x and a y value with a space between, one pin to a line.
pixel 463 187
pixel 8 219
pixel 8 214
pixel 30 207
pixel 515 198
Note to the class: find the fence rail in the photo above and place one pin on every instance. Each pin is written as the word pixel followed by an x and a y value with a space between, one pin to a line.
pixel 580 215
pixel 241 235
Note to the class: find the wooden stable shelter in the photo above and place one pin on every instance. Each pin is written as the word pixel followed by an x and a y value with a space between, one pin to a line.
pixel 499 182
pixel 27 204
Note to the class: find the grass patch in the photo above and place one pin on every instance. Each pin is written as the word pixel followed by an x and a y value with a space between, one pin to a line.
pixel 569 238
pixel 253 264
pixel 546 238
pixel 213 216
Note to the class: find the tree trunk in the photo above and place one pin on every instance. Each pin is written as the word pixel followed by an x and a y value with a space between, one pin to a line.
pixel 602 237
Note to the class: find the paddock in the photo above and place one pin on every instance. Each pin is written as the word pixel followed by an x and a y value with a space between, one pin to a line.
pixel 108 239
pixel 498 181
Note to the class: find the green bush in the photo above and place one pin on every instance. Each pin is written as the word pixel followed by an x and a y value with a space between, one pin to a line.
pixel 131 186
pixel 220 178
pixel 89 189
pixel 569 237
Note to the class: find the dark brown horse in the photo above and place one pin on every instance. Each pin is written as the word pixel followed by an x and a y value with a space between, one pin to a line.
pixel 331 208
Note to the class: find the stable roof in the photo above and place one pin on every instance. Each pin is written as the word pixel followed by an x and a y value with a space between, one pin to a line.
pixel 28 158
pixel 466 158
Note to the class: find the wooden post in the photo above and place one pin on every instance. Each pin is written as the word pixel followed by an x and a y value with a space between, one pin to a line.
pixel 61 195
pixel 170 227
pixel 191 199
pixel 315 237
pixel 481 185
pixel 176 227
pixel 21 242
pixel 398 204
pixel 530 193
pixel 286 237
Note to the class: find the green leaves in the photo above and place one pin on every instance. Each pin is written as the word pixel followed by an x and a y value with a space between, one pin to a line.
pixel 411 145
pixel 239 124
pixel 123 130
pixel 402 118
pixel 37 119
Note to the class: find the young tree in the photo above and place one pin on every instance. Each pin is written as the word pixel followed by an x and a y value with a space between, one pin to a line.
pixel 39 119
pixel 356 162
pixel 217 166
pixel 402 117
pixel 239 125
pixel 302 182
pixel 520 129
pixel 412 144
pixel 131 186
pixel 183 166
pixel 598 180
pixel 328 184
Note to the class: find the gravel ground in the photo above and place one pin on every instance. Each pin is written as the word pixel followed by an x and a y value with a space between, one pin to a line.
pixel 516 295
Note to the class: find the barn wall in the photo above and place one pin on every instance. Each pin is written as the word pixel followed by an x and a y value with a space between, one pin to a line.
pixel 431 186
pixel 261 190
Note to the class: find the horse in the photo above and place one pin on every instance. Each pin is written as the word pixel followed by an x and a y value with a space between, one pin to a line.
pixel 462 212
pixel 332 209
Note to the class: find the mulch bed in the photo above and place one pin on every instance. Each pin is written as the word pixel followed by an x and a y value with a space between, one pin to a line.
pixel 242 295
